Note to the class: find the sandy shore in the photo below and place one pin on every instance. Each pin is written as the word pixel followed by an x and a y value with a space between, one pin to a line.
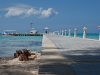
pixel 12 66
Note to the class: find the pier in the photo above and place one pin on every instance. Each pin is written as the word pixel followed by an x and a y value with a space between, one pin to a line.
pixel 27 34
pixel 64 55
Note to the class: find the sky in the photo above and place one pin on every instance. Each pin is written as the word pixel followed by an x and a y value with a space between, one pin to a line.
pixel 55 14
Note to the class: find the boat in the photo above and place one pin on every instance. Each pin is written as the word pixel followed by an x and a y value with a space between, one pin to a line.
pixel 9 32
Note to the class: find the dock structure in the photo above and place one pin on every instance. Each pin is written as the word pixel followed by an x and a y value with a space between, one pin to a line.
pixel 63 55
pixel 28 35
pixel 52 63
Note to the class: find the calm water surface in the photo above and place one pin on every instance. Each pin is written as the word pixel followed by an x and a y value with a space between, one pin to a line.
pixel 9 44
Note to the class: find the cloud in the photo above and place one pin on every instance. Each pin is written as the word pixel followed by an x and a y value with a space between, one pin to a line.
pixel 23 10
pixel 48 13
pixel 19 10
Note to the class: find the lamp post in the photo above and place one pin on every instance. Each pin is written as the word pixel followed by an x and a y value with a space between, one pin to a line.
pixel 75 32
pixel 58 33
pixel 84 32
pixel 65 32
pixel 62 32
pixel 53 33
pixel 99 32
pixel 69 32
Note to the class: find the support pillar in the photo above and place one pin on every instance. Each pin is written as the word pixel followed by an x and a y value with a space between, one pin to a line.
pixel 84 32
pixel 65 32
pixel 69 32
pixel 99 32
pixel 58 33
pixel 62 32
pixel 75 32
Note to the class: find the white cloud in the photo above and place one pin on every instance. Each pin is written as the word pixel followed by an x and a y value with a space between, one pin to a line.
pixel 23 10
pixel 32 11
pixel 14 12
pixel 48 13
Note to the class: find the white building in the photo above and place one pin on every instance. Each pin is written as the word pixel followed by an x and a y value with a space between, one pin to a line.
pixel 33 31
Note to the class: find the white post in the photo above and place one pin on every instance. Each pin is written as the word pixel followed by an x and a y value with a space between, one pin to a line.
pixel 84 32
pixel 99 32
pixel 75 32
pixel 69 32
pixel 62 32
pixel 58 32
pixel 99 36
pixel 65 32
pixel 53 32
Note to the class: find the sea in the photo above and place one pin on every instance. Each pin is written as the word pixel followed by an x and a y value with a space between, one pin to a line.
pixel 94 36
pixel 9 44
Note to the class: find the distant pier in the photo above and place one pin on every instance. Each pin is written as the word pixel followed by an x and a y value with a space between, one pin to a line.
pixel 27 34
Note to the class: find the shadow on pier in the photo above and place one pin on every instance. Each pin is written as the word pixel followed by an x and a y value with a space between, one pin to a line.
pixel 52 63
pixel 77 58
pixel 87 55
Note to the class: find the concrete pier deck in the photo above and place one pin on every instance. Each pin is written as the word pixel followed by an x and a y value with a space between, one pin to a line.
pixel 52 63
pixel 63 55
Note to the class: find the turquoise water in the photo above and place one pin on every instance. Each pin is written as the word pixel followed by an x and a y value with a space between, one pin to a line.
pixel 9 44
pixel 89 35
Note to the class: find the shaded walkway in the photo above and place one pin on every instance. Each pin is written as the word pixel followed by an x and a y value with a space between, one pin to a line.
pixel 52 63
pixel 83 55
